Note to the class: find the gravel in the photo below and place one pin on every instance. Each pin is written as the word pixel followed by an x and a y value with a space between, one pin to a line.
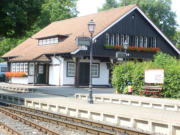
pixel 19 126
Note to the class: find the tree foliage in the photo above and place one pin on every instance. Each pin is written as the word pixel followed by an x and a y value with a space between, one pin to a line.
pixel 108 5
pixel 26 17
pixel 159 11
pixel 135 74
pixel 17 16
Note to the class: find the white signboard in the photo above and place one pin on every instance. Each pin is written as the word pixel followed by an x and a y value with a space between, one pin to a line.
pixel 82 41
pixel 154 76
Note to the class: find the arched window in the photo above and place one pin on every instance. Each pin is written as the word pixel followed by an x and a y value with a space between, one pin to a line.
pixel 112 39
pixel 141 41
pixel 117 39
pixel 136 41
pixel 122 39
pixel 145 42
pixel 107 38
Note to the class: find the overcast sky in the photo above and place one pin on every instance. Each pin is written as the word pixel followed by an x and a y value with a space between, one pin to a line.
pixel 86 7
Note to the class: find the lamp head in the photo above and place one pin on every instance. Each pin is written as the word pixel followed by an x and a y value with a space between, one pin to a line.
pixel 91 26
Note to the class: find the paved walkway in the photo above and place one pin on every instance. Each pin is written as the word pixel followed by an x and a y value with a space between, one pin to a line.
pixel 64 91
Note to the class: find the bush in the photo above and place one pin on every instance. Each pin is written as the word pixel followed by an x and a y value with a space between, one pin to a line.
pixel 135 74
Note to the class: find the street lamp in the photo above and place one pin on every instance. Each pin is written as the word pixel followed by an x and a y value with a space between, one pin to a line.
pixel 91 27
pixel 125 45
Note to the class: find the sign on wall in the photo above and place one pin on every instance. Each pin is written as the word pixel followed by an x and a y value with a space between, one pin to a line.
pixel 154 76
pixel 83 41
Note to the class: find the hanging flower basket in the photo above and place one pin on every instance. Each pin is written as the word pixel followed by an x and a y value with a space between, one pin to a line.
pixel 132 48
pixel 16 74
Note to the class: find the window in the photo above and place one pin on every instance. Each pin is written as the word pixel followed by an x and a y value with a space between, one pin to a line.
pixel 136 41
pixel 31 69
pixel 25 67
pixel 126 39
pixel 117 39
pixel 13 67
pixel 141 41
pixel 151 42
pixel 132 40
pixel 22 67
pixel 122 39
pixel 154 43
pixel 107 38
pixel 112 39
pixel 40 42
pixel 95 70
pixel 145 42
pixel 3 69
pixel 48 41
pixel 70 69
pixel 17 67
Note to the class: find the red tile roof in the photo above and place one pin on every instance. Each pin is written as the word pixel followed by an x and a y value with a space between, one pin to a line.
pixel 29 49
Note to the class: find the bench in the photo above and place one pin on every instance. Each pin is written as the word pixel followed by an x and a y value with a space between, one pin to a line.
pixel 151 89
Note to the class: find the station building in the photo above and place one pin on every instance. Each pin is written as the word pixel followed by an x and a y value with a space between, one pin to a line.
pixel 52 57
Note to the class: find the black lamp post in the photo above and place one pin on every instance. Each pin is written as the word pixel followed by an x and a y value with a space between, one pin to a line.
pixel 125 45
pixel 91 27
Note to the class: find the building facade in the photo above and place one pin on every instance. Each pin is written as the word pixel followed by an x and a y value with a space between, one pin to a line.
pixel 52 57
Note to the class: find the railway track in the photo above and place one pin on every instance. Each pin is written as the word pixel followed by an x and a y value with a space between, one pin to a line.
pixel 70 122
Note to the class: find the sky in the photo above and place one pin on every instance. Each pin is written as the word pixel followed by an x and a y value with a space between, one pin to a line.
pixel 86 7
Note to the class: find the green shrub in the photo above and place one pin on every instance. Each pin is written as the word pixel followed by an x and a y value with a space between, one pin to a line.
pixel 135 74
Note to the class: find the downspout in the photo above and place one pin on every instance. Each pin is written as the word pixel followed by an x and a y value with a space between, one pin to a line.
pixel 59 68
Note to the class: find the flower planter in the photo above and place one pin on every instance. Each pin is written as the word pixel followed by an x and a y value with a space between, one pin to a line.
pixel 132 48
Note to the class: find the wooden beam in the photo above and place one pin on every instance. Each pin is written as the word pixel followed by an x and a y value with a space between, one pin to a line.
pixel 76 81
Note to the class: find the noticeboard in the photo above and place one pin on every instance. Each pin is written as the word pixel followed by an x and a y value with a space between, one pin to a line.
pixel 154 76
pixel 83 41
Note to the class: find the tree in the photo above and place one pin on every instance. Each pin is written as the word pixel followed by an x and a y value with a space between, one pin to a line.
pixel 177 39
pixel 50 10
pixel 17 16
pixel 55 10
pixel 159 11
pixel 109 4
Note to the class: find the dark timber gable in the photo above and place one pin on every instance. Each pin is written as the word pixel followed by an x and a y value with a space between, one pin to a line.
pixel 134 24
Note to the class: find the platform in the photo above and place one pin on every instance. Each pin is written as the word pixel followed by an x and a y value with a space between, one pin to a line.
pixel 148 102
pixel 147 119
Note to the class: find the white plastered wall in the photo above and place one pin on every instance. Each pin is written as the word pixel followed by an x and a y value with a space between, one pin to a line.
pixel 56 70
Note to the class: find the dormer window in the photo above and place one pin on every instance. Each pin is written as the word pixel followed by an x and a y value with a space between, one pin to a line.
pixel 48 41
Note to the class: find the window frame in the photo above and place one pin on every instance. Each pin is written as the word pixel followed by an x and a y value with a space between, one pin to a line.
pixel 122 39
pixel 117 39
pixel 141 41
pixel 145 42
pixel 136 41
pixel 98 70
pixel 107 38
pixel 67 69
pixel 112 39
pixel 2 69
pixel 31 69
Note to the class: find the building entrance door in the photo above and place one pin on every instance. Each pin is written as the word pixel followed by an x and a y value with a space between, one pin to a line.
pixel 41 78
pixel 84 74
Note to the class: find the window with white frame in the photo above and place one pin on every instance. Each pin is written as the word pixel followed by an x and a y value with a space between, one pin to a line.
pixel 126 39
pixel 112 39
pixel 21 67
pixel 70 69
pixel 107 38
pixel 13 67
pixel 141 41
pixel 31 69
pixel 25 67
pixel 136 41
pixel 122 39
pixel 95 70
pixel 154 42
pixel 47 41
pixel 3 69
pixel 145 42
pixel 117 39
pixel 17 67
